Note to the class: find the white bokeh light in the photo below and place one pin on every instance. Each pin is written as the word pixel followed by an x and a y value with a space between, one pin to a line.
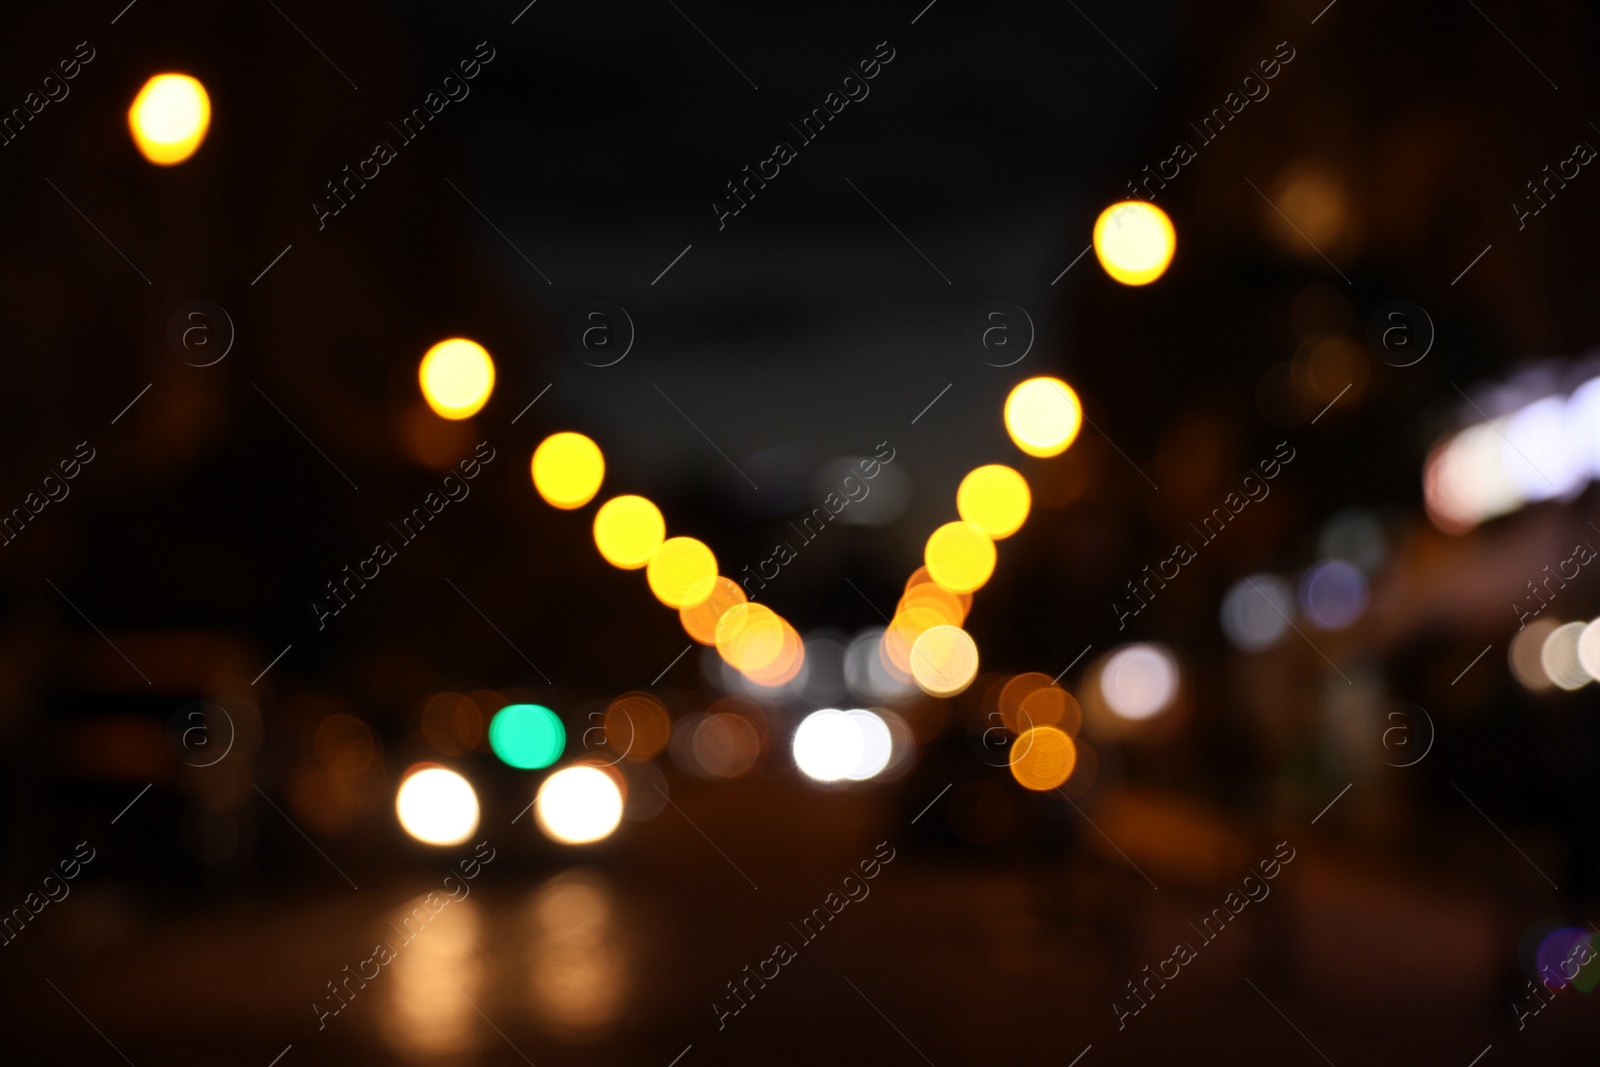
pixel 1544 450
pixel 437 806
pixel 1139 681
pixel 1559 657
pixel 1589 649
pixel 829 745
pixel 577 805
pixel 877 745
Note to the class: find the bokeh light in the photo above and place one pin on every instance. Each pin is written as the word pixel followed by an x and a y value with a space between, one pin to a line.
pixel 726 745
pixel 1558 656
pixel 1333 594
pixel 908 624
pixel 457 377
pixel 426 1015
pixel 995 499
pixel 1543 447
pixel 628 530
pixel 1465 480
pixel 1561 956
pixel 325 801
pixel 577 805
pixel 682 572
pixel 700 620
pixel 828 745
pixel 169 118
pixel 1042 758
pixel 1012 692
pixel 785 667
pixel 1050 705
pixel 1256 612
pixel 647 790
pixel 578 974
pixel 1043 416
pixel 437 806
pixel 866 674
pixel 1134 242
pixel 452 724
pixel 527 736
pixel 567 470
pixel 948 606
pixel 944 661
pixel 1139 681
pixel 680 747
pixel 1589 649
pixel 902 746
pixel 1524 655
pixel 959 556
pixel 749 636
pixel 345 745
pixel 877 744
pixel 637 726
pixel 1545 452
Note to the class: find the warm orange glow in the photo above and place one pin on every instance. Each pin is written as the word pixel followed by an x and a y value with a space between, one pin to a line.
pixel 921 577
pixel 579 978
pixel 960 557
pixel 902 632
pixel 567 470
pixel 637 726
pixel 427 1016
pixel 1013 693
pixel 995 499
pixel 169 118
pixel 726 745
pixel 1052 706
pixel 749 636
pixel 700 620
pixel 950 607
pixel 785 665
pixel 345 745
pixel 452 724
pixel 1042 758
pixel 682 572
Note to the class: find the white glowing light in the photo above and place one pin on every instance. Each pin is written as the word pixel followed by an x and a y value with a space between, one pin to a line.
pixel 1544 454
pixel 578 805
pixel 1559 657
pixel 1544 450
pixel 1139 681
pixel 1583 416
pixel 1524 654
pixel 877 745
pixel 437 806
pixel 829 745
pixel 1589 649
